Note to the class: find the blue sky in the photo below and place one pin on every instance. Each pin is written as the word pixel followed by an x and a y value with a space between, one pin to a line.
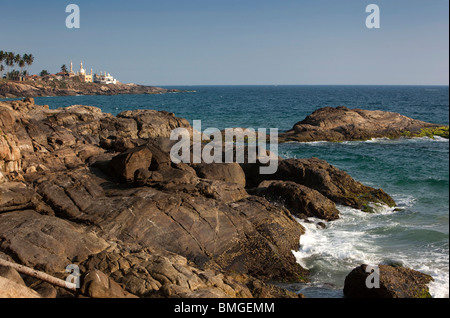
pixel 223 42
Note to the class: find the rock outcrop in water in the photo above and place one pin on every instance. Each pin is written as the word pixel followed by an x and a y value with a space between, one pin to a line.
pixel 342 124
pixel 394 282
pixel 80 186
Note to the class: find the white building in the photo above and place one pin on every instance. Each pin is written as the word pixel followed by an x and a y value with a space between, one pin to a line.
pixel 104 78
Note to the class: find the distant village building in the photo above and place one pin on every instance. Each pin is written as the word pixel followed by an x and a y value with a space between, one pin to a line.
pixel 104 78
pixel 33 77
pixel 62 74
pixel 84 77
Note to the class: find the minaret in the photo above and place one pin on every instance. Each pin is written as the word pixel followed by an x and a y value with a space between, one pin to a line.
pixel 71 70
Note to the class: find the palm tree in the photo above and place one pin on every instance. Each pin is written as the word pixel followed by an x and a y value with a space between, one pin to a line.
pixel 64 68
pixel 10 60
pixel 17 58
pixel 21 65
pixel 29 59
pixel 25 58
pixel 2 57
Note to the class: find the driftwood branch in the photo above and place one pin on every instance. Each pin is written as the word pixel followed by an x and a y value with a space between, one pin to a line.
pixel 39 275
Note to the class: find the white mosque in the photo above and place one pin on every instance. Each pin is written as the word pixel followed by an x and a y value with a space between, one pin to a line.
pixel 103 78
pixel 86 78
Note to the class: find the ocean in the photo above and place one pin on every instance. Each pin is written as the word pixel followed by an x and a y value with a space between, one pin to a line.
pixel 415 172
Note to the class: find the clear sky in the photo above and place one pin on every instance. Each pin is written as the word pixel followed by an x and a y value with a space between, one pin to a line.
pixel 222 42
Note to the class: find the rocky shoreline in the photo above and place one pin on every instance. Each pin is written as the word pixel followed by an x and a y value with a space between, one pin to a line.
pixel 78 186
pixel 11 89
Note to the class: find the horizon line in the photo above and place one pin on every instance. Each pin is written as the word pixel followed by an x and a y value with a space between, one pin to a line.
pixel 161 85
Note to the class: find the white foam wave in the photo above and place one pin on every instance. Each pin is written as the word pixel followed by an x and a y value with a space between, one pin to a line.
pixel 439 288
pixel 331 253
pixel 306 142
pixel 404 201
pixel 435 265
pixel 335 243
pixel 377 139
pixel 380 208
pixel 380 140
pixel 440 139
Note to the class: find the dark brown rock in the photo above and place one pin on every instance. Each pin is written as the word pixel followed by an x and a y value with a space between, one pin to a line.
pixel 208 221
pixel 127 163
pixel 157 273
pixel 300 200
pixel 333 183
pixel 395 282
pixel 153 124
pixel 16 196
pixel 45 87
pixel 228 172
pixel 44 242
pixel 222 191
pixel 96 284
pixel 200 224
pixel 342 123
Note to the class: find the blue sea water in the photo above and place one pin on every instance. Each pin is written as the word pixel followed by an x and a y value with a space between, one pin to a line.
pixel 415 172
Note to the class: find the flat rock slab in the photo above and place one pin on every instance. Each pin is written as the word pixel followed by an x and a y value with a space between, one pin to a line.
pixel 46 243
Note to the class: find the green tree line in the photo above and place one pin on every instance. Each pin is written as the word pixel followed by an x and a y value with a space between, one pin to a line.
pixel 10 60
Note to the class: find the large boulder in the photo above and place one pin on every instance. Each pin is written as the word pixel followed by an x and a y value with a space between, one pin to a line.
pixel 394 282
pixel 127 163
pixel 330 181
pixel 300 200
pixel 153 124
pixel 228 172
pixel 96 284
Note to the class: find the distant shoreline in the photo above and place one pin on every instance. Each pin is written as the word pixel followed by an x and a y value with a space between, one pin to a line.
pixel 16 89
